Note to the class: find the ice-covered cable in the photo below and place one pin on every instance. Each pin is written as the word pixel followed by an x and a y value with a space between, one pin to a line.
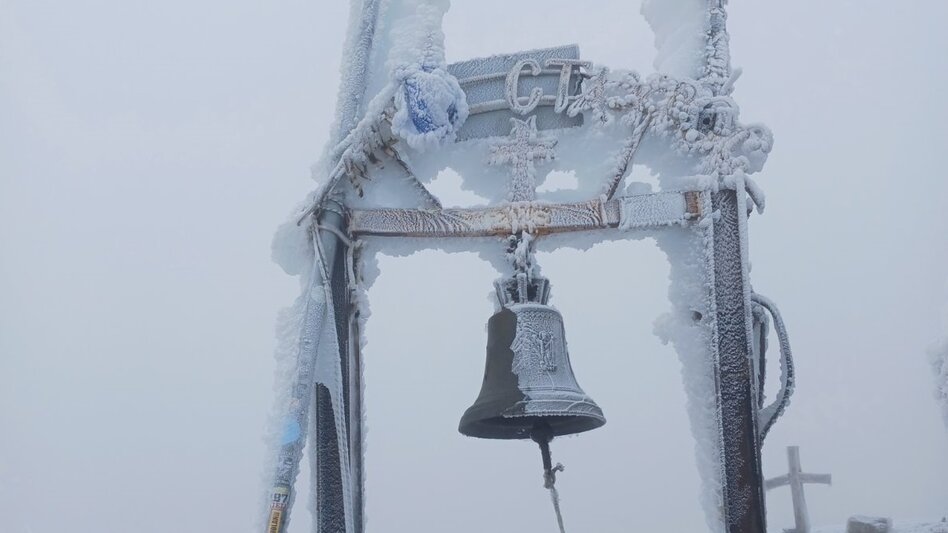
pixel 769 414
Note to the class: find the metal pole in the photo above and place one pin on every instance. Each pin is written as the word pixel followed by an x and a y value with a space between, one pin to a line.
pixel 327 469
pixel 298 413
pixel 355 416
pixel 737 403
pixel 327 466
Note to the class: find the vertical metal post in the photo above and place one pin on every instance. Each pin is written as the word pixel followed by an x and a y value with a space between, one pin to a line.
pixel 355 419
pixel 737 403
pixel 330 510
pixel 329 486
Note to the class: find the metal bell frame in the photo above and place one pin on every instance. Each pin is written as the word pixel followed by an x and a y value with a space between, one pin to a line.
pixel 737 323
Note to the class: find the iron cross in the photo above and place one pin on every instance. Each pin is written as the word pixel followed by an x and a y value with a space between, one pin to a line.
pixel 524 146
pixel 796 478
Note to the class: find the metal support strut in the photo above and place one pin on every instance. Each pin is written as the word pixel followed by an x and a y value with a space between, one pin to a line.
pixel 737 396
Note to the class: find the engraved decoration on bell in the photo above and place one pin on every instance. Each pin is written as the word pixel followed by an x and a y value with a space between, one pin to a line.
pixel 536 344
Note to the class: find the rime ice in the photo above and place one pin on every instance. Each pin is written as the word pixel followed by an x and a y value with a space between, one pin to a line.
pixel 398 136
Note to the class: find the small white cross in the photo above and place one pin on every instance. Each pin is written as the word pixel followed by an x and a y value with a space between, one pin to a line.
pixel 796 478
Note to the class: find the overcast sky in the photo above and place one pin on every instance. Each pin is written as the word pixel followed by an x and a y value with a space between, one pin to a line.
pixel 149 149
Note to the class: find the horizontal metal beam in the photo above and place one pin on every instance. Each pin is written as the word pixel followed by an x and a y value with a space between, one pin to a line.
pixel 630 212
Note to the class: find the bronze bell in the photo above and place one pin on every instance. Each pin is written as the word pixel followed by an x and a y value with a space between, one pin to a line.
pixel 528 381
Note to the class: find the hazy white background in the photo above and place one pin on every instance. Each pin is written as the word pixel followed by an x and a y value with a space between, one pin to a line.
pixel 148 150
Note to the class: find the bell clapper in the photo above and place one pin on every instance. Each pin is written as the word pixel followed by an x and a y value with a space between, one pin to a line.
pixel 542 434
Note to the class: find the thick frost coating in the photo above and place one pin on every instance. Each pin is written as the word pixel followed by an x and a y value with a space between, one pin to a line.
pixel 687 114
pixel 419 104
pixel 688 328
pixel 429 104
pixel 650 210
pixel 524 146
pixel 288 423
pixel 300 327
pixel 692 41
pixel 416 105
pixel 429 107
pixel 680 28
pixel 769 414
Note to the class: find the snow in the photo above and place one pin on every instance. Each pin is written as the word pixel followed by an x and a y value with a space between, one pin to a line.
pixel 688 330
pixel 680 27
pixel 692 41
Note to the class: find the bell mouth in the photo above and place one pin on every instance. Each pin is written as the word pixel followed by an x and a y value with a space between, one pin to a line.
pixel 520 426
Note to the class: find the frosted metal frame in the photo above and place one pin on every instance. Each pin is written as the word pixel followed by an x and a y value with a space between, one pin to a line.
pixel 725 273
pixel 727 280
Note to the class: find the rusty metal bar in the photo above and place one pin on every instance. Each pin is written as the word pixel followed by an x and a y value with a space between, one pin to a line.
pixel 737 396
pixel 629 212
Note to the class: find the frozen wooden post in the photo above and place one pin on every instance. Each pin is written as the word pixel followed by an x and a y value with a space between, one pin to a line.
pixel 796 478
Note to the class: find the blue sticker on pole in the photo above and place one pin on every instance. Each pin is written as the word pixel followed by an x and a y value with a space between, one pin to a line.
pixel 291 431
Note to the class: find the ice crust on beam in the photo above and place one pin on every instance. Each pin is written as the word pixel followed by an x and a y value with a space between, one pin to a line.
pixel 650 210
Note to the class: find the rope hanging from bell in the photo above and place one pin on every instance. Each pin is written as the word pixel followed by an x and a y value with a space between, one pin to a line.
pixel 542 434
pixel 529 390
